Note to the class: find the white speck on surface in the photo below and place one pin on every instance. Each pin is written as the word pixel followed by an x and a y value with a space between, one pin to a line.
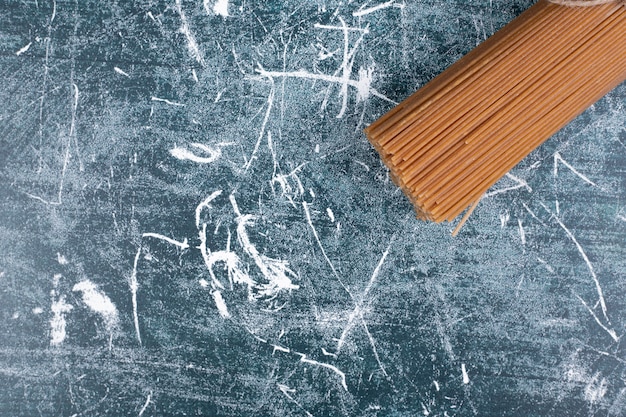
pixel 61 259
pixel 37 310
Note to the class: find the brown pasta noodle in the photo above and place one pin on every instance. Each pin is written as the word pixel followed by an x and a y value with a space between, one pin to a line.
pixel 448 143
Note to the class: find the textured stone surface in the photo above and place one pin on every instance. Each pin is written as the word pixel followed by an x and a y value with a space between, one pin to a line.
pixel 193 223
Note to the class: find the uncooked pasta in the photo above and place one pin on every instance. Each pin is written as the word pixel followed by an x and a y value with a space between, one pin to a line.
pixel 448 143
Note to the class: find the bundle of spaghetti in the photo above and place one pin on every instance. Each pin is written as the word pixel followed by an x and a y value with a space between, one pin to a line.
pixel 448 143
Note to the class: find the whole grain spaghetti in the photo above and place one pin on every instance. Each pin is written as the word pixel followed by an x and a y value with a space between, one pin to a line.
pixel 448 143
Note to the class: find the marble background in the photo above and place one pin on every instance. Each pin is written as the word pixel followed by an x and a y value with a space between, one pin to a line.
pixel 193 223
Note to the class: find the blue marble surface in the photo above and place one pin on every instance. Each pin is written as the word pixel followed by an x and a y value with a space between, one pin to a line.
pixel 193 223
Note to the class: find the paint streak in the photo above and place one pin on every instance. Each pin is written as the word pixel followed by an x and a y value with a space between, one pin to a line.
pixel 57 322
pixel 220 304
pixel 466 379
pixel 184 154
pixel 24 49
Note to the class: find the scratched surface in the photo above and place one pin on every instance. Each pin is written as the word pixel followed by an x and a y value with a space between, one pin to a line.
pixel 193 223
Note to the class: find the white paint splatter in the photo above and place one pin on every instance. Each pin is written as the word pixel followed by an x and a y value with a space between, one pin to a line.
pixel 23 49
pixel 522 233
pixel 331 215
pixel 466 379
pixel 134 286
pixel 357 311
pixel 220 304
pixel 37 310
pixel 57 323
pixel 185 154
pixel 145 405
pixel 236 271
pixel 280 349
pixel 363 86
pixel 548 267
pixel 327 353
pixel 206 203
pixel 611 332
pixel 596 390
pixel 183 245
pixel 558 158
pixel 333 368
pixel 287 392
pixel 504 219
pixel 290 184
pixel 121 71
pixel 363 12
pixel 192 45
pixel 221 8
pixel 532 213
pixel 520 184
pixel 98 302
pixel 61 259
pixel 166 101
pixel 275 271
pixel 358 84
pixel 589 266
pixel 268 111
